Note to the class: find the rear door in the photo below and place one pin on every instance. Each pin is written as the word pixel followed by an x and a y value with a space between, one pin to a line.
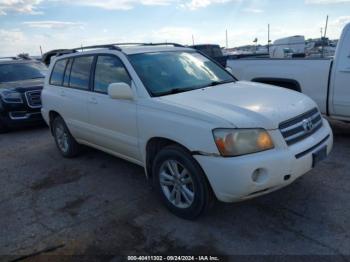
pixel 113 121
pixel 74 95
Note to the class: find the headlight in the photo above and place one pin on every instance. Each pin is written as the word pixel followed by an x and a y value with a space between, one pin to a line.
pixel 236 142
pixel 11 97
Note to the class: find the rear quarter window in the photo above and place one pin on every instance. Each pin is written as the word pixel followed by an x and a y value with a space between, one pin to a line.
pixel 80 73
pixel 57 72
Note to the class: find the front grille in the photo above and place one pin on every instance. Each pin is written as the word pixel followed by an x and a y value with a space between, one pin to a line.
pixel 301 127
pixel 33 98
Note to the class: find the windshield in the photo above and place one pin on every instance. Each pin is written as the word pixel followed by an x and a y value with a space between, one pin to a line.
pixel 21 71
pixel 165 73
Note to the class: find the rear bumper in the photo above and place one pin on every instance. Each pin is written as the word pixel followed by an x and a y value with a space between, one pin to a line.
pixel 240 178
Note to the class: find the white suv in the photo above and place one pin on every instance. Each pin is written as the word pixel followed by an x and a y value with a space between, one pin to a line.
pixel 198 132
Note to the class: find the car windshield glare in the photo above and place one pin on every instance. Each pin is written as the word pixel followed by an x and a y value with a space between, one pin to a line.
pixel 21 71
pixel 172 72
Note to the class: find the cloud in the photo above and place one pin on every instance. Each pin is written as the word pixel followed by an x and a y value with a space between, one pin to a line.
pixel 253 10
pixel 326 1
pixel 11 36
pixel 32 6
pixel 54 24
pixel 335 26
pixel 196 4
pixel 172 34
pixel 117 4
pixel 340 22
pixel 19 6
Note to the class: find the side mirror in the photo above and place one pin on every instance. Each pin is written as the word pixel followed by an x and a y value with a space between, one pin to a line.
pixel 229 69
pixel 120 91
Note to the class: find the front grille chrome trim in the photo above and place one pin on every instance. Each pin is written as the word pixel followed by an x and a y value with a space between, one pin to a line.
pixel 33 98
pixel 301 127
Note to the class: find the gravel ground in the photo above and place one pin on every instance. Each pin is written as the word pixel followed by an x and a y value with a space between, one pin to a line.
pixel 97 204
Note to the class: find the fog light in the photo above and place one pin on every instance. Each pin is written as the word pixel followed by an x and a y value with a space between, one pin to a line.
pixel 287 177
pixel 259 175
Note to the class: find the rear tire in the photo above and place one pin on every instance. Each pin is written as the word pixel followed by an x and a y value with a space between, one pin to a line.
pixel 180 183
pixel 65 142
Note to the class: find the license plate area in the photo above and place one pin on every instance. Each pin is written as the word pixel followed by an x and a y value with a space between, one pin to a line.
pixel 319 155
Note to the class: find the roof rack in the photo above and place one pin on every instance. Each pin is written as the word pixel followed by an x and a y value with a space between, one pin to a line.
pixel 149 44
pixel 110 46
pixel 115 46
pixel 156 44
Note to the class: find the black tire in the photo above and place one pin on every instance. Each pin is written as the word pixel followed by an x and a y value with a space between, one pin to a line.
pixel 203 196
pixel 72 147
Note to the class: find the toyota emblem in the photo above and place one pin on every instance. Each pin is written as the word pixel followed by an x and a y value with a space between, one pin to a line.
pixel 308 125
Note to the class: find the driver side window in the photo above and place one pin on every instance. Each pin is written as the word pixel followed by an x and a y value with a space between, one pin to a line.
pixel 109 69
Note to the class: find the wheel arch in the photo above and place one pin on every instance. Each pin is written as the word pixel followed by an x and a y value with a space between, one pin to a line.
pixel 153 146
pixel 52 115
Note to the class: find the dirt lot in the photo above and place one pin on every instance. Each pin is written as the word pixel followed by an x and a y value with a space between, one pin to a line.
pixel 98 204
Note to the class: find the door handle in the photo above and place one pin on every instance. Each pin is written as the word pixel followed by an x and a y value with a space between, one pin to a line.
pixel 93 100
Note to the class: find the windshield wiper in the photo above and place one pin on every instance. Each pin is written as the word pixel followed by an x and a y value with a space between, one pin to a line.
pixel 36 77
pixel 175 91
pixel 215 83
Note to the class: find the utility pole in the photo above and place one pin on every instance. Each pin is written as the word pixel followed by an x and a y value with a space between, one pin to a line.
pixel 226 39
pixel 268 38
pixel 324 37
pixel 325 30
pixel 41 51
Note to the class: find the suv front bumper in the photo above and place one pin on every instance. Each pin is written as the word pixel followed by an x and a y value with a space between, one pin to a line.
pixel 239 178
pixel 16 115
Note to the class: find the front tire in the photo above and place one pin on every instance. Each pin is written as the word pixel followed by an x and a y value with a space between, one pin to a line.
pixel 65 142
pixel 180 183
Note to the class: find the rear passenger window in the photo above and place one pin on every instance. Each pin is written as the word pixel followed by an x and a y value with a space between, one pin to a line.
pixel 67 73
pixel 57 72
pixel 80 73
pixel 109 69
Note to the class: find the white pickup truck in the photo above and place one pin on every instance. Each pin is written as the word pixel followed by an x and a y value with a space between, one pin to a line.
pixel 326 81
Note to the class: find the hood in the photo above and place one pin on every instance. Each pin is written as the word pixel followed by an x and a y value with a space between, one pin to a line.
pixel 245 104
pixel 24 85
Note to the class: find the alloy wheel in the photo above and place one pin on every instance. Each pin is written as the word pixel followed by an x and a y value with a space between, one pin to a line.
pixel 177 184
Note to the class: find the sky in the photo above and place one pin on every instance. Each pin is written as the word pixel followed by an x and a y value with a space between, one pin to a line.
pixel 25 25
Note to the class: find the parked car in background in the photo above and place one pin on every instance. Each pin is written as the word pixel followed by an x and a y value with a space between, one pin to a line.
pixel 324 80
pixel 213 51
pixel 21 82
pixel 198 132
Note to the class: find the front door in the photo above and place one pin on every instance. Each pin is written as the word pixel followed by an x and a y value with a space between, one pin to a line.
pixel 113 122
